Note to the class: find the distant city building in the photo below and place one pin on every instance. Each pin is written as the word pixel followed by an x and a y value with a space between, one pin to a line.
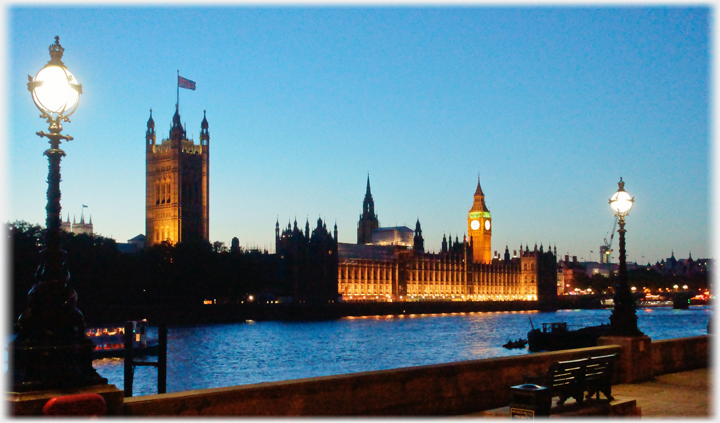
pixel 235 245
pixel 77 228
pixel 402 271
pixel 177 185
pixel 682 267
pixel 134 245
pixel 605 254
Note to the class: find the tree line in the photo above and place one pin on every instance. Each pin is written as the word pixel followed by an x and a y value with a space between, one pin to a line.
pixel 182 274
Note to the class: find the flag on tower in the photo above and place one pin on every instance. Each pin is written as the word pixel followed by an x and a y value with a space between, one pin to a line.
pixel 186 83
pixel 84 205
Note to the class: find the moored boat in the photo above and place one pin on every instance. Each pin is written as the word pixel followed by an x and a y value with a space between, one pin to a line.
pixel 520 343
pixel 109 341
pixel 561 336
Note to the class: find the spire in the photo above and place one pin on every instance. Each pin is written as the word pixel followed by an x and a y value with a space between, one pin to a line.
pixel 150 134
pixel 204 133
pixel 177 132
pixel 176 118
pixel 418 241
pixel 368 203
pixel 151 122
pixel 479 191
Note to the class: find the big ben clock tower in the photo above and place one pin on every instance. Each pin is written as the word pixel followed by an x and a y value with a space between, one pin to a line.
pixel 480 228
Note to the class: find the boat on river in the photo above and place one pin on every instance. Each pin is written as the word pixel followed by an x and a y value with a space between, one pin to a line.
pixel 520 343
pixel 110 342
pixel 561 336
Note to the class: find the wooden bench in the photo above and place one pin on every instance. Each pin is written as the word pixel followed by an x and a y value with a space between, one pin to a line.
pixel 598 376
pixel 570 379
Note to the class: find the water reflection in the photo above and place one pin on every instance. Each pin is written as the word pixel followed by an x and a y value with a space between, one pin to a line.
pixel 209 356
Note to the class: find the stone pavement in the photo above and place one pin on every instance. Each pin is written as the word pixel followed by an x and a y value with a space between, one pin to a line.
pixel 683 394
pixel 673 395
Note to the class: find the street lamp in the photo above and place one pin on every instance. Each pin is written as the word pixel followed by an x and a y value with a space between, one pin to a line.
pixel 623 320
pixel 51 350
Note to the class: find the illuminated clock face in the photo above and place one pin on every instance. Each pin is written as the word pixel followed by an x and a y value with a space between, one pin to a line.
pixel 487 225
pixel 475 225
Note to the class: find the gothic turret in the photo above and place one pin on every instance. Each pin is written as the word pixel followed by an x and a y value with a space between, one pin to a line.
pixel 150 134
pixel 418 242
pixel 177 132
pixel 368 219
pixel 204 133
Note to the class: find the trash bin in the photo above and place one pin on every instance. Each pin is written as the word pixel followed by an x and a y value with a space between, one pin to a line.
pixel 529 400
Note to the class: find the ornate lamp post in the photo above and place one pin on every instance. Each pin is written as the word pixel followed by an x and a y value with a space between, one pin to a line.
pixel 51 350
pixel 623 320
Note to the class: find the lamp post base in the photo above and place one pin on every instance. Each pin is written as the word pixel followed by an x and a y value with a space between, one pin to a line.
pixel 38 367
pixel 623 322
pixel 635 361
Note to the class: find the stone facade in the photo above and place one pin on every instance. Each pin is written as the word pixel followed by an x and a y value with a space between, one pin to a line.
pixel 177 185
pixel 77 228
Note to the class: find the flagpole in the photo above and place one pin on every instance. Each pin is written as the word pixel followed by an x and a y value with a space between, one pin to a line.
pixel 177 83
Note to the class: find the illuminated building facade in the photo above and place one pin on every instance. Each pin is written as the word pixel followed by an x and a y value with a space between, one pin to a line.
pixel 463 270
pixel 399 235
pixel 177 185
pixel 480 228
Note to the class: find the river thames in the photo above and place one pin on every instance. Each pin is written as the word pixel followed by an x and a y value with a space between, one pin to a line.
pixel 219 355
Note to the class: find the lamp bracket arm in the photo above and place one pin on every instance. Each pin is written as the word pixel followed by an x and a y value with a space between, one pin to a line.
pixel 55 136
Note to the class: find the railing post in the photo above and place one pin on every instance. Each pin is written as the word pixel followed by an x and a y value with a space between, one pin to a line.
pixel 128 360
pixel 162 358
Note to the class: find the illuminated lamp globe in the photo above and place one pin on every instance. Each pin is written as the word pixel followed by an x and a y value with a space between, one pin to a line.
pixel 621 202
pixel 55 91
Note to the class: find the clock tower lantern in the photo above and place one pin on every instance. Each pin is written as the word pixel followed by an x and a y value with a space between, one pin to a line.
pixel 480 228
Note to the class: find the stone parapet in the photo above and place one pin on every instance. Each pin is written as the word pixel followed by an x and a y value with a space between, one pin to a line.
pixel 440 389
pixel 677 355
pixel 31 403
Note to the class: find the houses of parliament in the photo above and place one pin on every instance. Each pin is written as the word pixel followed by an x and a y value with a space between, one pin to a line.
pixel 386 264
pixel 391 264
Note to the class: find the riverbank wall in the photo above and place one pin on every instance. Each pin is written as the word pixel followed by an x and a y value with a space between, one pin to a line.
pixel 442 389
pixel 232 313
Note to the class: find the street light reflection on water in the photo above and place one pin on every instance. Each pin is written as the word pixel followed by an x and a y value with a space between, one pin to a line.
pixel 219 355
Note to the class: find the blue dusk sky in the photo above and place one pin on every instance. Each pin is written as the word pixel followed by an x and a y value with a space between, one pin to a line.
pixel 550 106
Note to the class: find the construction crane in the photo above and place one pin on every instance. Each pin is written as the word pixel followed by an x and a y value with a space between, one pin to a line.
pixel 605 248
